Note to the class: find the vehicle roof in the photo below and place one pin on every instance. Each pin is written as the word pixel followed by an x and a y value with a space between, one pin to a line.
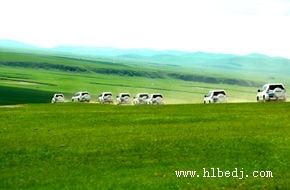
pixel 273 84
pixel 217 90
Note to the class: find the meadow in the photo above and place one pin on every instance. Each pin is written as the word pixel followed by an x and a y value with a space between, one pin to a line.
pixel 34 78
pixel 93 146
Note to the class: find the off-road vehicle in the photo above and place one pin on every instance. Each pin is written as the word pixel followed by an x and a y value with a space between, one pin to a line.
pixel 57 98
pixel 215 96
pixel 81 97
pixel 272 92
pixel 140 98
pixel 155 98
pixel 124 98
pixel 106 97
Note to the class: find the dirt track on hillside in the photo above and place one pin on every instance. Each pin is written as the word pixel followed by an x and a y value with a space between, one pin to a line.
pixel 11 106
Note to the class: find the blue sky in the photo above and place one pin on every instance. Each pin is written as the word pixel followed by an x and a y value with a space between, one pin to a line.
pixel 222 26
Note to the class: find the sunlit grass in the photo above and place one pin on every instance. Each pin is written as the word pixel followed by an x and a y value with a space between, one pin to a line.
pixel 92 146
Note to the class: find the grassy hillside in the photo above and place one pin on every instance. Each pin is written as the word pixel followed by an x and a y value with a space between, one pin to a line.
pixel 92 146
pixel 49 72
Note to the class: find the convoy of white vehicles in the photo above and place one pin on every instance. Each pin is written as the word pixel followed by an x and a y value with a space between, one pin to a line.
pixel 268 92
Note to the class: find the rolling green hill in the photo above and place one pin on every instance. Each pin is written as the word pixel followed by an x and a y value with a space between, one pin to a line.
pixel 182 77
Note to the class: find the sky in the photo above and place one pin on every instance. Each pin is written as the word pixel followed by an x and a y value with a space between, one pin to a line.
pixel 219 26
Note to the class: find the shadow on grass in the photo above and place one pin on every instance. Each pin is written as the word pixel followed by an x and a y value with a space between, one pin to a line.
pixel 16 95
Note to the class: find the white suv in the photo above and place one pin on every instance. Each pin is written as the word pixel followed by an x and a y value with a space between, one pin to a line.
pixel 141 98
pixel 155 98
pixel 81 97
pixel 215 96
pixel 124 98
pixel 57 98
pixel 106 97
pixel 272 91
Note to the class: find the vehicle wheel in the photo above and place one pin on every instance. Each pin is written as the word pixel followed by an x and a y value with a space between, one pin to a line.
pixel 264 99
pixel 258 99
pixel 204 102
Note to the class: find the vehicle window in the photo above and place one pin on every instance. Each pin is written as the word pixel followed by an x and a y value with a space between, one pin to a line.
pixel 272 87
pixel 264 88
pixel 85 93
pixel 144 96
pixel 158 95
pixel 219 92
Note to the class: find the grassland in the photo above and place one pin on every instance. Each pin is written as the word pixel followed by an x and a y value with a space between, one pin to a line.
pixel 93 146
pixel 46 74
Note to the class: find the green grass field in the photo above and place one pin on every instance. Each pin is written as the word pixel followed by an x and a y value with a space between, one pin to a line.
pixel 93 146
pixel 38 76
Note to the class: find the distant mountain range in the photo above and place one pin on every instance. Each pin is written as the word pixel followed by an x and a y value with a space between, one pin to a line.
pixel 83 50
pixel 223 63
pixel 110 51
